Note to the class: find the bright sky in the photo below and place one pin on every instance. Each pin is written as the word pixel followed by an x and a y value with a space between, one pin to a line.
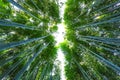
pixel 61 58
pixel 59 37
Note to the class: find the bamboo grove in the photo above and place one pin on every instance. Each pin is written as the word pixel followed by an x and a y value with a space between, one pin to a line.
pixel 91 46
pixel 93 38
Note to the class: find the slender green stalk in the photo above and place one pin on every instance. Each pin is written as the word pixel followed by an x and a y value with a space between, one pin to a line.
pixel 103 40
pixel 44 72
pixel 5 74
pixel 19 61
pixel 86 76
pixel 103 60
pixel 31 71
pixel 14 44
pixel 20 7
pixel 4 23
pixel 108 17
pixel 20 73
pixel 115 40
pixel 116 19
pixel 4 61
pixel 35 4
pixel 114 51
pixel 107 6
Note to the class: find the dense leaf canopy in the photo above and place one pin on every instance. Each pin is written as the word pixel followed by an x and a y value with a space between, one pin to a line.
pixel 91 47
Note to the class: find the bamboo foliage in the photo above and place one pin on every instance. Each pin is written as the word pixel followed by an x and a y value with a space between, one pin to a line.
pixel 4 61
pixel 27 44
pixel 17 63
pixel 90 28
pixel 91 46
pixel 86 76
pixel 28 63
pixel 13 24
pixel 13 44
pixel 108 63
pixel 20 7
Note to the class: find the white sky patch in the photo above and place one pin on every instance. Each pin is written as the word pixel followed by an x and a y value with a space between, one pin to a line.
pixel 14 14
pixel 17 9
pixel 62 8
pixel 12 32
pixel 118 4
pixel 61 58
pixel 83 5
pixel 31 20
pixel 59 37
